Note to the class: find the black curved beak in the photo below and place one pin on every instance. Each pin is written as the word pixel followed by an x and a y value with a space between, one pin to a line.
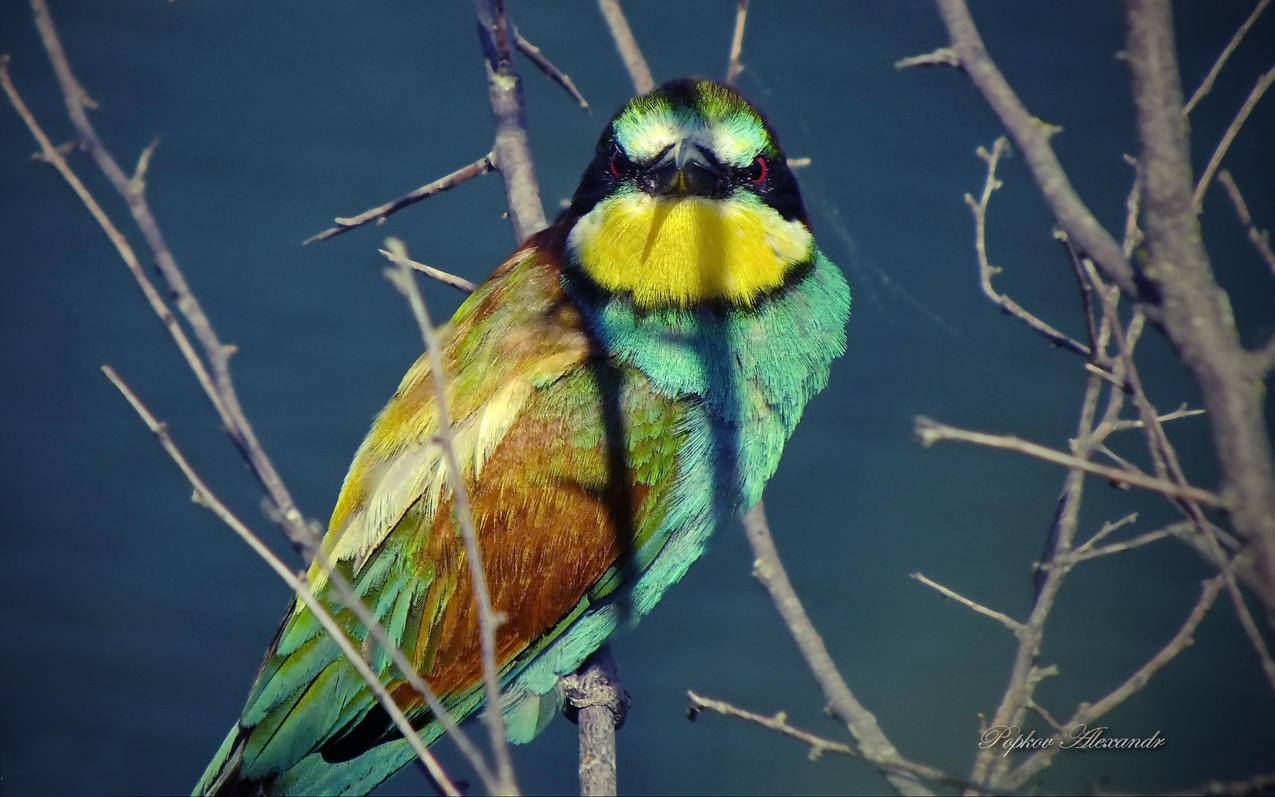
pixel 686 171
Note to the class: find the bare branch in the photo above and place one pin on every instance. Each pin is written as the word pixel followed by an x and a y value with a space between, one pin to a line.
pixel 460 283
pixel 215 351
pixel 1255 96
pixel 986 271
pixel 1107 529
pixel 778 722
pixel 1087 551
pixel 487 620
pixel 1178 414
pixel 733 65
pixel 1025 675
pixel 1261 238
pixel 1015 627
pixel 54 157
pixel 1207 85
pixel 537 57
pixel 512 150
pixel 1088 713
pixel 630 53
pixel 1031 137
pixel 798 163
pixel 1196 312
pixel 931 432
pixel 206 498
pixel 595 701
pixel 769 569
pixel 381 212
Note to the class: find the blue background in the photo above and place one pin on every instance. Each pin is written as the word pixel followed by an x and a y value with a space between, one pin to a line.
pixel 133 622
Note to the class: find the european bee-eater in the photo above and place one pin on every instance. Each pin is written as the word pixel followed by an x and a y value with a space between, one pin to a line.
pixel 619 388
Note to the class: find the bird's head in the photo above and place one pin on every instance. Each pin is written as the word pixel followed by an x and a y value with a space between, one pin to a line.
pixel 688 200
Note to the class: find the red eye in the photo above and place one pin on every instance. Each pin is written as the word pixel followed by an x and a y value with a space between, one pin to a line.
pixel 619 164
pixel 759 171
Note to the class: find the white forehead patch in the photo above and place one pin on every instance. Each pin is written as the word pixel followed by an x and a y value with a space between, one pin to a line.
pixel 734 145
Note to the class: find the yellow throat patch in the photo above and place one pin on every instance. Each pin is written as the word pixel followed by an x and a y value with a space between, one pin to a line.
pixel 677 252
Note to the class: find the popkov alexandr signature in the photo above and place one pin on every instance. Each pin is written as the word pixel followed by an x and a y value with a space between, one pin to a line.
pixel 1010 738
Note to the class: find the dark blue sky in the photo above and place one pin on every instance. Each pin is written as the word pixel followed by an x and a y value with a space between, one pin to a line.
pixel 134 622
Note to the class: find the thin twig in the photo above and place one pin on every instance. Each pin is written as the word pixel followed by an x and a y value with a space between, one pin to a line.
pixel 943 56
pixel 215 351
pixel 1168 466
pixel 536 56
pixel 778 722
pixel 1087 713
pixel 986 271
pixel 53 156
pixel 344 591
pixel 1088 551
pixel 1178 414
pixel 1241 116
pixel 1261 238
pixel 1031 136
pixel 447 278
pixel 1015 627
pixel 1025 674
pixel 733 65
pixel 1207 85
pixel 769 569
pixel 206 498
pixel 630 53
pixel 931 432
pixel 1108 528
pixel 487 619
pixel 381 212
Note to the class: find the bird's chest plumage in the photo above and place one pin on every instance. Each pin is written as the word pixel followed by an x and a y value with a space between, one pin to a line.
pixel 744 374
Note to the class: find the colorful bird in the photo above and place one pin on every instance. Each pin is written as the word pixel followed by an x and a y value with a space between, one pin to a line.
pixel 619 388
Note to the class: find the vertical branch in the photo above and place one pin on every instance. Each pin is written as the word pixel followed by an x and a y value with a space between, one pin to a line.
pixel 733 65
pixel 596 701
pixel 630 53
pixel 594 691
pixel 1196 311
pixel 512 149
pixel 404 280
